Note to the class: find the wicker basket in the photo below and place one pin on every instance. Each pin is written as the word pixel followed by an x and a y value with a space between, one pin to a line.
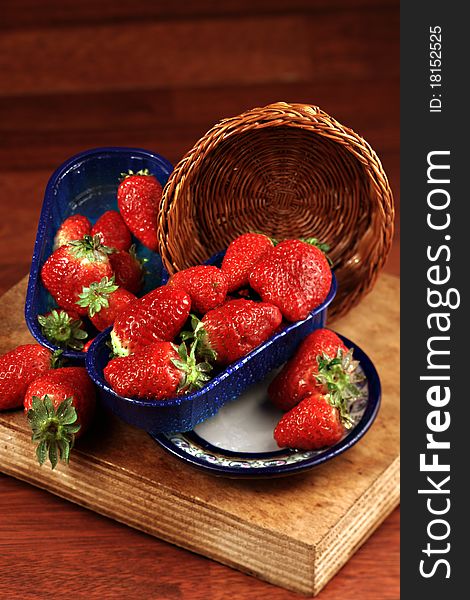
pixel 288 170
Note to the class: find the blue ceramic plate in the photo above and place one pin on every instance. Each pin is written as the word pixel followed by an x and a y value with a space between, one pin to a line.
pixel 183 413
pixel 86 184
pixel 238 441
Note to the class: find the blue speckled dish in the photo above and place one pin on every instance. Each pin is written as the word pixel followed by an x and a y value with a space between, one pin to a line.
pixel 86 184
pixel 184 412
pixel 238 442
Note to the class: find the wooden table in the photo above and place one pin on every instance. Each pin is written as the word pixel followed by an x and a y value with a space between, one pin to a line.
pixel 158 75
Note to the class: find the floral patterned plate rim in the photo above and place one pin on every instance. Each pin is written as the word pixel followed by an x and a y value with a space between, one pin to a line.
pixel 192 448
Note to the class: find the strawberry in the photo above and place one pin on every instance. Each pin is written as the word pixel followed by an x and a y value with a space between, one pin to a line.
pixel 241 256
pixel 206 285
pixel 159 370
pixel 73 228
pixel 314 423
pixel 128 269
pixel 139 196
pixel 73 266
pixel 112 230
pixel 295 276
pixel 59 405
pixel 65 329
pixel 86 347
pixel 104 301
pixel 156 317
pixel 300 375
pixel 18 368
pixel 230 331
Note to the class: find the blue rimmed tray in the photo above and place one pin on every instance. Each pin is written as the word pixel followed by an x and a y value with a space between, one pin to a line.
pixel 86 184
pixel 184 412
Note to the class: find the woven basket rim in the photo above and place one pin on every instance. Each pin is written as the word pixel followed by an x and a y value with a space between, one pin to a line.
pixel 312 119
pixel 277 114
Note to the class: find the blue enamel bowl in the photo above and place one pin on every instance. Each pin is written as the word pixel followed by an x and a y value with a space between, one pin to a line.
pixel 194 449
pixel 183 413
pixel 86 184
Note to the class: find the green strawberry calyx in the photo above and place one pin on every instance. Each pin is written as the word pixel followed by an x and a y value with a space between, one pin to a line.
pixel 201 344
pixel 90 248
pixel 57 360
pixel 313 241
pixel 53 429
pixel 339 375
pixel 142 261
pixel 130 173
pixel 96 295
pixel 194 374
pixel 61 329
pixel 325 248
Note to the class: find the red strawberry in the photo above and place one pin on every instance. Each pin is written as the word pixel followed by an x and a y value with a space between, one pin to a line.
pixel 104 301
pixel 139 196
pixel 159 370
pixel 241 256
pixel 206 285
pixel 60 406
pixel 112 230
pixel 65 329
pixel 314 423
pixel 128 269
pixel 74 266
pixel 73 228
pixel 300 375
pixel 158 316
pixel 18 368
pixel 295 276
pixel 86 347
pixel 230 331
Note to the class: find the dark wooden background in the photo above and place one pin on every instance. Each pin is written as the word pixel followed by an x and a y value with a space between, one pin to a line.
pixel 156 74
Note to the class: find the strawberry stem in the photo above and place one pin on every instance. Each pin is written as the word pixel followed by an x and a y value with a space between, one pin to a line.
pixel 130 173
pixel 59 328
pixel 200 343
pixel 96 296
pixel 339 376
pixel 57 361
pixel 53 429
pixel 89 247
pixel 195 374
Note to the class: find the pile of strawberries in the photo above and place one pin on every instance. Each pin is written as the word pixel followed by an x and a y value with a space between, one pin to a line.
pixel 58 401
pixel 174 338
pixel 94 271
pixel 315 389
pixel 232 310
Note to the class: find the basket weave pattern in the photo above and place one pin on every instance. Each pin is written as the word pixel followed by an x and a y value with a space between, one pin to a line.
pixel 287 170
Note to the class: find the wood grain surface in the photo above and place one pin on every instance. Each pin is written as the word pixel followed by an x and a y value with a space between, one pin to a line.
pixel 295 532
pixel 158 75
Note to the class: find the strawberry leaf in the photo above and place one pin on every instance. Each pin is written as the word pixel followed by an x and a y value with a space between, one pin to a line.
pixel 90 248
pixel 339 376
pixel 96 295
pixel 325 248
pixel 193 374
pixel 54 429
pixel 41 452
pixel 131 173
pixel 59 328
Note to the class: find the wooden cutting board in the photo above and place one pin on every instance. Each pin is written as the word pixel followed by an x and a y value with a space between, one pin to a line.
pixel 295 532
